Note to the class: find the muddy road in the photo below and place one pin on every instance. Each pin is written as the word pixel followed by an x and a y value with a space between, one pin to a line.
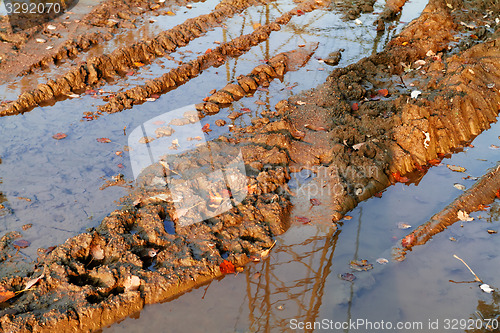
pixel 205 167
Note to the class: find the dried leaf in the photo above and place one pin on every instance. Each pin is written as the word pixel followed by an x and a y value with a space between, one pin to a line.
pixel 315 128
pixel 486 288
pixel 415 93
pixel 347 217
pixel 96 252
pixel 382 261
pixel 259 102
pixel 227 267
pixel 59 136
pixel 234 115
pixel 464 216
pixel 146 139
pixel 32 282
pixel 494 147
pixel 170 13
pixel 132 283
pixel 358 145
pixel 355 107
pixel 138 64
pixel 315 202
pixel 265 253
pixel 301 103
pixel 490 231
pixel 402 225
pixel 21 243
pixel 245 110
pixel 303 219
pixel 398 178
pixel 435 161
pixel 360 265
pixel 408 240
pixel 459 186
pixel 347 277
pixel 5 295
pixel 383 92
pixel 300 12
pixel 206 128
pixel 456 168
pixel 103 140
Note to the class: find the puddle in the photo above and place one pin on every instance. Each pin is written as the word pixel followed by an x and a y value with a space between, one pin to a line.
pixel 300 281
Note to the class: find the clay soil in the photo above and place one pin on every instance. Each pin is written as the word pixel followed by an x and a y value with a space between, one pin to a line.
pixel 386 118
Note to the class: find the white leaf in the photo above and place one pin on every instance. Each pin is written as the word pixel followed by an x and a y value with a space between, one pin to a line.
pixel 430 53
pixel 150 99
pixel 40 40
pixel 382 261
pixel 402 225
pixel 51 27
pixel 132 283
pixel 301 103
pixel 358 145
pixel 420 62
pixel 32 282
pixel 415 93
pixel 459 186
pixel 486 288
pixel 464 216
pixel 73 95
pixel 358 21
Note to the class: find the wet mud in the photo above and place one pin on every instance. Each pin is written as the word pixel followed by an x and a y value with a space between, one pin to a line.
pixel 372 123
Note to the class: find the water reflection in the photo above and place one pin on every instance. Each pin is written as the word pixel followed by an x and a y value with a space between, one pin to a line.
pixel 275 297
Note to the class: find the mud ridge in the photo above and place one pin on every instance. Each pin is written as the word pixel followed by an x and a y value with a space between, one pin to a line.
pixel 217 56
pixel 94 70
pixel 482 193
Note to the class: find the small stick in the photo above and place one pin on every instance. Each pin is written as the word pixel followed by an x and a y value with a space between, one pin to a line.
pixel 477 279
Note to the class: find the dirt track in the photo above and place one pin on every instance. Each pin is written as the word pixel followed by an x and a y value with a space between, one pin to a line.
pixel 362 124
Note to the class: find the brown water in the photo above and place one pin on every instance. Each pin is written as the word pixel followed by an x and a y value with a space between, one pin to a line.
pixel 299 281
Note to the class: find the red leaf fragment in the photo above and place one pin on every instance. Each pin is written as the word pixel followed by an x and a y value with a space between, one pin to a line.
pixel 378 194
pixel 59 136
pixel 206 128
pixel 383 92
pixel 408 241
pixel 245 110
pixel 303 219
pixel 208 51
pixel 398 178
pixel 315 202
pixel 300 12
pixel 435 161
pixel 355 107
pixel 103 140
pixel 227 267
pixel 498 194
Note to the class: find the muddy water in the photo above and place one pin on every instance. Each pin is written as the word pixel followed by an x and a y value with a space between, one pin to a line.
pixel 300 280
